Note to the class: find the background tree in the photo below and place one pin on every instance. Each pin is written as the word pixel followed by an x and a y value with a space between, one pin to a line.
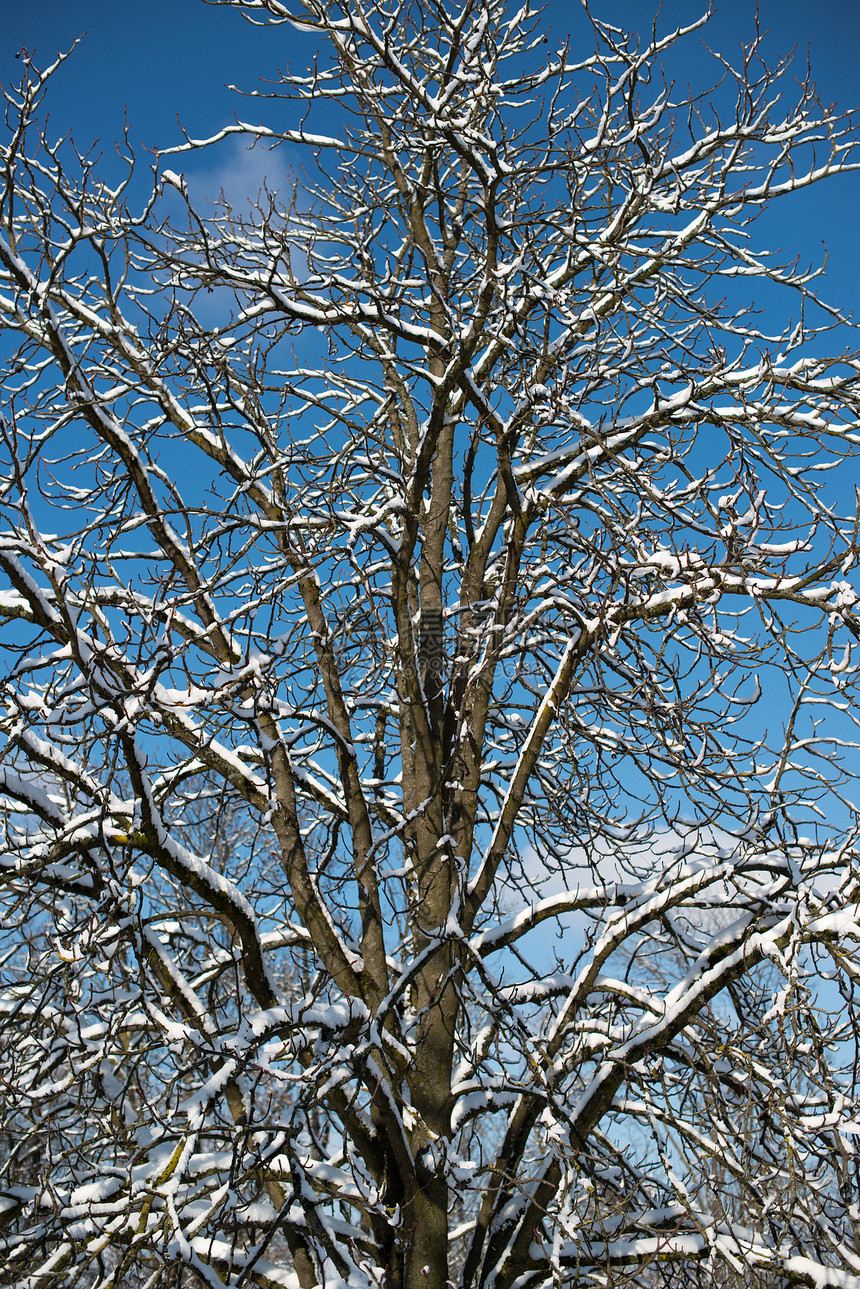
pixel 394 572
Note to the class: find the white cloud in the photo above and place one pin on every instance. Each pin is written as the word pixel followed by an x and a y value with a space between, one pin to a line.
pixel 241 177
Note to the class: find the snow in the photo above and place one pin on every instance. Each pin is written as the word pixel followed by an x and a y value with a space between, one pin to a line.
pixel 821 1276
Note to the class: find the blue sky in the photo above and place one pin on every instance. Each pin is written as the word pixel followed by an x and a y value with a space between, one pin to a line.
pixel 170 56
pixel 173 58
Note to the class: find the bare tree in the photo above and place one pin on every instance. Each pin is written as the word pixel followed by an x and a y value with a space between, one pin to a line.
pixel 429 664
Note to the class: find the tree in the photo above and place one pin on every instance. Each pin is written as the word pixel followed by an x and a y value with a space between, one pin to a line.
pixel 430 657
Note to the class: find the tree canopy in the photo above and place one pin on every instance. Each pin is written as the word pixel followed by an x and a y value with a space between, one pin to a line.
pixel 428 683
